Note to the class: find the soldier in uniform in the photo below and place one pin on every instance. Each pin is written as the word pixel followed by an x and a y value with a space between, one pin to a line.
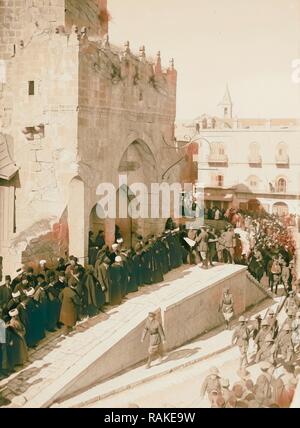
pixel 230 243
pixel 263 386
pixel 157 337
pixel 273 324
pixel 268 351
pixel 211 384
pixel 259 339
pixel 226 306
pixel 202 246
pixel 291 306
pixel 285 344
pixel 296 332
pixel 241 338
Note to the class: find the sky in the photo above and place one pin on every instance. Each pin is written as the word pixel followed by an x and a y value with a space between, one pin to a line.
pixel 247 44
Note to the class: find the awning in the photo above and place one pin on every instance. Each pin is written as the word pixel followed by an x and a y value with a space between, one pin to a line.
pixel 228 197
pixel 7 166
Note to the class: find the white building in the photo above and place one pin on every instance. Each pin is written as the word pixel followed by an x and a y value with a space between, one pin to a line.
pixel 246 163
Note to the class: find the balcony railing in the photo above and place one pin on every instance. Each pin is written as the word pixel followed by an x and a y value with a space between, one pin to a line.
pixel 282 160
pixel 255 160
pixel 217 158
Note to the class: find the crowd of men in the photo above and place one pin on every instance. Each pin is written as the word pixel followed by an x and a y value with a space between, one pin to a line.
pixel 44 299
pixel 274 346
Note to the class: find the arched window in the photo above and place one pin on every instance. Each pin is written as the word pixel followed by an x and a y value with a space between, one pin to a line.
pixel 218 153
pixel 281 185
pixel 282 157
pixel 253 182
pixel 254 153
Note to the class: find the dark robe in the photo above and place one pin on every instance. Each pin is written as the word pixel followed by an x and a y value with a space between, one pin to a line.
pixel 93 295
pixel 157 263
pixel 147 266
pixel 137 261
pixel 5 296
pixel 70 306
pixel 40 296
pixel 164 254
pixel 115 288
pixel 103 278
pixel 132 285
pixel 17 353
pixel 59 286
pixel 53 307
pixel 32 319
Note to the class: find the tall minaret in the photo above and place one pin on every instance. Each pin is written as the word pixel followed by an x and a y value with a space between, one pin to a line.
pixel 226 105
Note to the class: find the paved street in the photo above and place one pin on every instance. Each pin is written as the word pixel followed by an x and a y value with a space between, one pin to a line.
pixel 177 379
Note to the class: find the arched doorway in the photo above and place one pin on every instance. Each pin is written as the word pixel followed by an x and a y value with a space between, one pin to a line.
pixel 138 165
pixel 280 209
pixel 254 206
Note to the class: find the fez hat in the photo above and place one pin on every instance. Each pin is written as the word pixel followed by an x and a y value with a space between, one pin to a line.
pixel 29 292
pixel 16 294
pixel 13 312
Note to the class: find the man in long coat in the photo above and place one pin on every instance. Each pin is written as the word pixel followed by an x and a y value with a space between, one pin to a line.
pixel 102 276
pixel 70 304
pixel 17 353
pixel 32 319
pixel 94 296
pixel 5 292
pixel 116 276
pixel 202 246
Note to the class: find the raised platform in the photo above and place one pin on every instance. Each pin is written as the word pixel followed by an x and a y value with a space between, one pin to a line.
pixel 188 300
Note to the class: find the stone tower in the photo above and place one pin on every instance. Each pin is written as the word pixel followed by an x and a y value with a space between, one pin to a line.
pixel 226 105
pixel 20 20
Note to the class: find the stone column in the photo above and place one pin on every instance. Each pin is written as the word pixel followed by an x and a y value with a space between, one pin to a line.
pixel 109 231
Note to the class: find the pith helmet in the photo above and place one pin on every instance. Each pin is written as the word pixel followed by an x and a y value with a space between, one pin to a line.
pixel 242 319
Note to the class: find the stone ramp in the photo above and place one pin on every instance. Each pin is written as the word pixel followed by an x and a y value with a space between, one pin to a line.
pixel 112 345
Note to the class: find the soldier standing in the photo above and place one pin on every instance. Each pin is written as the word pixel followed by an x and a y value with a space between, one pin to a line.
pixel 291 306
pixel 157 337
pixel 226 306
pixel 268 351
pixel 273 324
pixel 260 338
pixel 211 384
pixel 241 338
pixel 285 344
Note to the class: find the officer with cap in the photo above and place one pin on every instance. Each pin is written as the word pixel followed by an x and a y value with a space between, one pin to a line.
pixel 273 324
pixel 268 351
pixel 259 339
pixel 241 337
pixel 157 337
pixel 211 384
pixel 284 345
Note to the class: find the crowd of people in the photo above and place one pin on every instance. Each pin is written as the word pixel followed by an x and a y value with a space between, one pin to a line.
pixel 265 341
pixel 48 298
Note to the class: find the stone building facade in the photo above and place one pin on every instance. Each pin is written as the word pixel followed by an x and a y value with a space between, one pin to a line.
pixel 74 112
pixel 246 163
